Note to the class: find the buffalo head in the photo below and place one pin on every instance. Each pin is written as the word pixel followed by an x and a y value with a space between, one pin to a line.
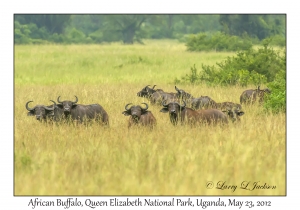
pixel 40 111
pixel 146 91
pixel 174 109
pixel 261 93
pixel 266 90
pixel 67 105
pixel 234 113
pixel 135 111
pixel 182 94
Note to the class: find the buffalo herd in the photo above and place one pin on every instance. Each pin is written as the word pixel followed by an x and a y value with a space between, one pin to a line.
pixel 69 110
pixel 181 106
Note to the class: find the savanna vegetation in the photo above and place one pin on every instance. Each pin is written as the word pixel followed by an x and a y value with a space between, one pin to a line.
pixel 51 159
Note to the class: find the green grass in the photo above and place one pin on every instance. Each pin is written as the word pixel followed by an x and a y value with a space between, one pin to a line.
pixel 79 160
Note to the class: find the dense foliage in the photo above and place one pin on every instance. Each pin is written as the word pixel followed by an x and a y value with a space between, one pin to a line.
pixel 34 29
pixel 276 101
pixel 260 26
pixel 218 41
pixel 252 67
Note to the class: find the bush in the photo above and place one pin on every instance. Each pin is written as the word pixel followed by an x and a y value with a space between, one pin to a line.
pixel 276 101
pixel 218 41
pixel 21 34
pixel 276 40
pixel 252 67
pixel 75 36
pixel 265 61
pixel 212 76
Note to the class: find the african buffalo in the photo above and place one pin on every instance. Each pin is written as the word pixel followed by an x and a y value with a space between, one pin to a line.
pixel 139 116
pixel 251 96
pixel 160 96
pixel 42 112
pixel 225 105
pixel 154 96
pixel 80 112
pixel 183 113
pixel 203 102
pixel 234 113
pixel 146 92
pixel 182 95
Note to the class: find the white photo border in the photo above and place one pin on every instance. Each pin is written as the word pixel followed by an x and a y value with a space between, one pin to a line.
pixel 9 201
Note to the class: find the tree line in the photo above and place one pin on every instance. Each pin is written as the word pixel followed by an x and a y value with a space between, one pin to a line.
pixel 66 28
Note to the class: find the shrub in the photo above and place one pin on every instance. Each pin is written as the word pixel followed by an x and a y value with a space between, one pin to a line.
pixel 253 67
pixel 276 40
pixel 75 36
pixel 265 61
pixel 211 76
pixel 218 41
pixel 276 101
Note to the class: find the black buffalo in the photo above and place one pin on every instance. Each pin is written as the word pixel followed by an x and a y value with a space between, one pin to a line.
pixel 226 105
pixel 159 95
pixel 153 95
pixel 146 92
pixel 81 113
pixel 183 96
pixel 251 96
pixel 165 97
pixel 178 112
pixel 234 113
pixel 139 116
pixel 42 112
pixel 203 102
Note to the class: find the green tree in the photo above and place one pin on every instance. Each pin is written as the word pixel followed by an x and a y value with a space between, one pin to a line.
pixel 53 23
pixel 129 27
pixel 260 26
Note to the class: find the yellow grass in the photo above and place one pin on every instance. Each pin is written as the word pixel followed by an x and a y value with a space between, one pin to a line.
pixel 79 160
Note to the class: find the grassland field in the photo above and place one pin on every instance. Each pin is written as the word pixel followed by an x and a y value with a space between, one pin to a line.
pixel 52 159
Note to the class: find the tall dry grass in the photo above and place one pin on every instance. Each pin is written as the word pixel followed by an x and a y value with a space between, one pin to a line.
pixel 55 159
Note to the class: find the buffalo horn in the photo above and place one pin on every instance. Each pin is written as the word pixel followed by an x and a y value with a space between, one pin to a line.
pixel 29 109
pixel 153 87
pixel 127 106
pixel 59 100
pixel 50 109
pixel 177 89
pixel 145 107
pixel 75 100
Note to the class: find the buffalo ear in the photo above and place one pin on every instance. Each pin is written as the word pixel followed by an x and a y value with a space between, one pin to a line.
pixel 240 113
pixel 60 106
pixel 74 105
pixel 126 113
pixel 164 110
pixel 182 108
pixel 144 111
pixel 30 113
